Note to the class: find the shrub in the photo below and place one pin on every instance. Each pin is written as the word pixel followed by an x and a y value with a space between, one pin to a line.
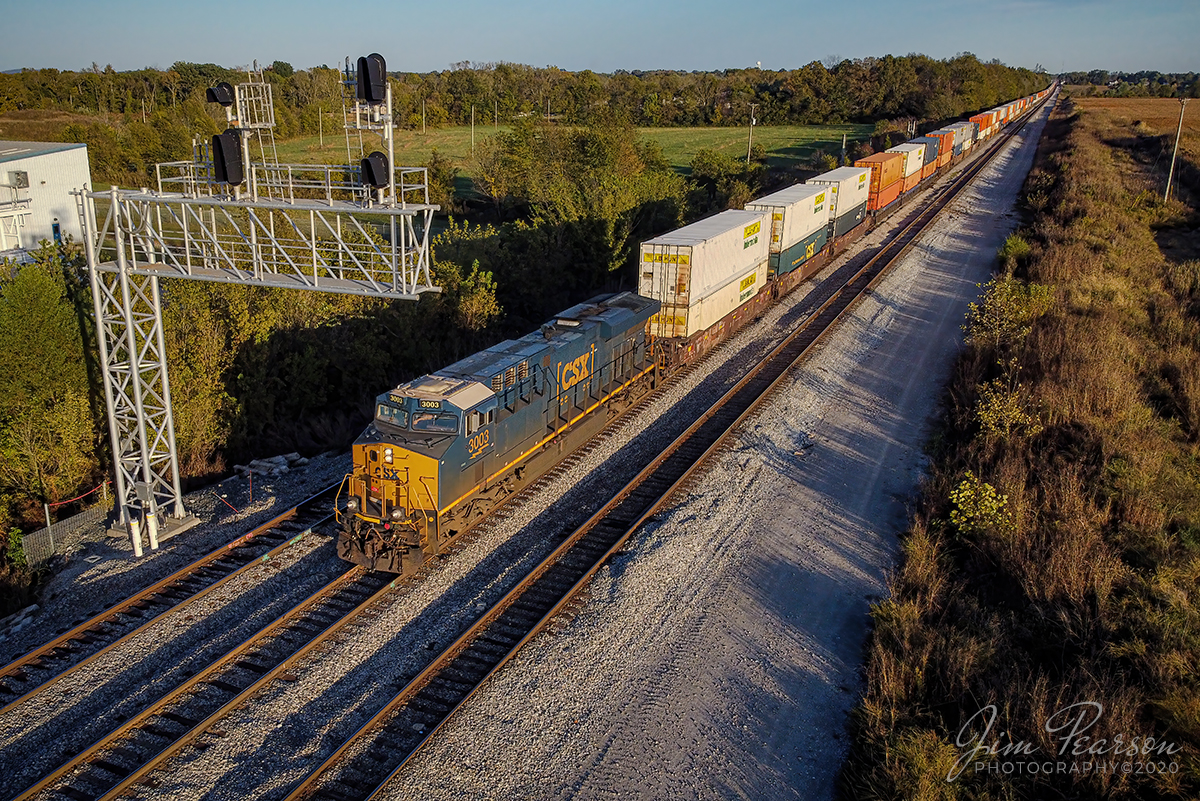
pixel 978 507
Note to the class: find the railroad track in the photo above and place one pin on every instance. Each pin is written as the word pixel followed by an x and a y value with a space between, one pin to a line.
pixel 45 665
pixel 188 713
pixel 381 748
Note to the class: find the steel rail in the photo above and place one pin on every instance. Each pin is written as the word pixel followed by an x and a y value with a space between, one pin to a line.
pixel 147 741
pixel 500 646
pixel 94 637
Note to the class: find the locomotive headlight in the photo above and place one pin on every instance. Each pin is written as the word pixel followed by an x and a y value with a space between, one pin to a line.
pixel 387 455
pixel 397 513
pixel 352 505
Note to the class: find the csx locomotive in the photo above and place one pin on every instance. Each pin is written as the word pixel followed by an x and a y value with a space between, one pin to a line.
pixel 445 447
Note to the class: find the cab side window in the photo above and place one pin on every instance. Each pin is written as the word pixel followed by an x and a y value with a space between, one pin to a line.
pixel 478 419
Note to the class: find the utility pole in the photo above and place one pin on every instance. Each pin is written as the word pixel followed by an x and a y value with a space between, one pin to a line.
pixel 1171 173
pixel 750 140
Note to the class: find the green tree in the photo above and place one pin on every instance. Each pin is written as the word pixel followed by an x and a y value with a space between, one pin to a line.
pixel 47 429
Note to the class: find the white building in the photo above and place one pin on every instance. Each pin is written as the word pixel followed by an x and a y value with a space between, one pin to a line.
pixel 36 181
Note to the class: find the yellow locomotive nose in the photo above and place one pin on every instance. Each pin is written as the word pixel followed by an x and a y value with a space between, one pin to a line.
pixel 392 508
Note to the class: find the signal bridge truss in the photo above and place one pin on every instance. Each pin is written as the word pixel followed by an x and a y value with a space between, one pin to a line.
pixel 310 227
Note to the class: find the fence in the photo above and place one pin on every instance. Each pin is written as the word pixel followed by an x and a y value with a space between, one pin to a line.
pixel 60 537
pixel 64 535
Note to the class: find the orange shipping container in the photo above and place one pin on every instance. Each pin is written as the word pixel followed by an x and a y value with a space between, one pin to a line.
pixel 878 200
pixel 910 183
pixel 946 150
pixel 929 169
pixel 886 169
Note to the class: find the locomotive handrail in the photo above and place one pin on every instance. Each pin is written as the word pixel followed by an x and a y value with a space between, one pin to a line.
pixel 336 515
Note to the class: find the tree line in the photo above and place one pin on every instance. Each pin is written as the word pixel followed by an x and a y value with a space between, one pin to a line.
pixel 1148 83
pixel 140 117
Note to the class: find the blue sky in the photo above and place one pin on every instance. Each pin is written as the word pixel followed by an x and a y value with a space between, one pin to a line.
pixel 619 34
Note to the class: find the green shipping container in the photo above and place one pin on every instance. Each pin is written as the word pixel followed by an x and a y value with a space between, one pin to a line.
pixel 846 222
pixel 797 254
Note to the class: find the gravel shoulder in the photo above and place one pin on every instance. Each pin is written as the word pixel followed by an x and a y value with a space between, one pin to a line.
pixel 719 656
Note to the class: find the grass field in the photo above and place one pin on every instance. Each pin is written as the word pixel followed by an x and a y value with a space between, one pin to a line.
pixel 786 145
pixel 39 125
pixel 1160 115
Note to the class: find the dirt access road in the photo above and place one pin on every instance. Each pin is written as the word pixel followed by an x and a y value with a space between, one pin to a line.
pixel 719 656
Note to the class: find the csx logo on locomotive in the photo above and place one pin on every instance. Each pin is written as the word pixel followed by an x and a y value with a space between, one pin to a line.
pixel 573 372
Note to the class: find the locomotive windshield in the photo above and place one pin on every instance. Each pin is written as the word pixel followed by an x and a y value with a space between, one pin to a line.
pixel 392 416
pixel 432 421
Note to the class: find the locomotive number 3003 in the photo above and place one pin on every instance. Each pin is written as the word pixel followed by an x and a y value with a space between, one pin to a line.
pixel 478 442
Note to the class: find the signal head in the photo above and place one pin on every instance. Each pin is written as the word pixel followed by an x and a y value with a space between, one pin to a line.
pixel 376 170
pixel 221 93
pixel 372 79
pixel 227 157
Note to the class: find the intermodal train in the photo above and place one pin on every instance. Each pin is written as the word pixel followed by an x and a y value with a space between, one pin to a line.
pixel 444 448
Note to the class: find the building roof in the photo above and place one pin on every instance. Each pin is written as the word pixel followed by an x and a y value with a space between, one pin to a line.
pixel 11 150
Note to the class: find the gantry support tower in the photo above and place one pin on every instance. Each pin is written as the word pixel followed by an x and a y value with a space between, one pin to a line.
pixel 313 227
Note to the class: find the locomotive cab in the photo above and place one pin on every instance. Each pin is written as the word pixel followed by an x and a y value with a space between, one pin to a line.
pixel 391 520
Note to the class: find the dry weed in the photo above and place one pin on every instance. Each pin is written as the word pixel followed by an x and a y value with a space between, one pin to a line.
pixel 1083 586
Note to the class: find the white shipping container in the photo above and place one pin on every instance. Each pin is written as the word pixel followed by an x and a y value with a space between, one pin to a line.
pixel 914 156
pixel 796 212
pixel 683 321
pixel 705 270
pixel 850 187
pixel 963 132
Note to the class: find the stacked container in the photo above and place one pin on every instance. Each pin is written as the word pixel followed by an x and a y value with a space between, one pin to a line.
pixel 705 270
pixel 799 225
pixel 850 188
pixel 933 146
pixel 914 161
pixel 887 178
pixel 964 137
pixel 945 138
pixel 984 122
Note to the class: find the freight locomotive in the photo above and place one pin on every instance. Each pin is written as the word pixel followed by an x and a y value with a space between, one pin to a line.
pixel 444 448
